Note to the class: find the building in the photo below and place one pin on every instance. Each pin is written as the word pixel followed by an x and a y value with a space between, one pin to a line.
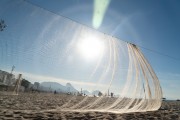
pixel 7 78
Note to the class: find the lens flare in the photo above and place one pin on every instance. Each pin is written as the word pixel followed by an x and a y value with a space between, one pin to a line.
pixel 100 7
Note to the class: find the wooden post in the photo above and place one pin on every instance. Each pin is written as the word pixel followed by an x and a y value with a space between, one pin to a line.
pixel 17 85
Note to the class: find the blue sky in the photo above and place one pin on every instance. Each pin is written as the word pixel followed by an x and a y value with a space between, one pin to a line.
pixel 151 24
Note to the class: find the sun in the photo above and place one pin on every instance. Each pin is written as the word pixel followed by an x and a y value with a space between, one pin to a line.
pixel 91 47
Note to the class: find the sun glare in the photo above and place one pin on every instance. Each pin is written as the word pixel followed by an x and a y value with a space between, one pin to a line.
pixel 91 47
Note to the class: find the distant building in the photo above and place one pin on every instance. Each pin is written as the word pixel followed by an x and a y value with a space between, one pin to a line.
pixel 7 78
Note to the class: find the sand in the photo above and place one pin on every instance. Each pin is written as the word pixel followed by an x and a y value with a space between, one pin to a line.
pixel 46 106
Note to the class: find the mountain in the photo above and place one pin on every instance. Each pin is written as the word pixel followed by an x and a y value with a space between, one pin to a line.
pixel 70 88
pixel 52 86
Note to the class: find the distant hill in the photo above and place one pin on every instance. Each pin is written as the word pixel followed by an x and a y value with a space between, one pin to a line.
pixel 70 88
pixel 51 86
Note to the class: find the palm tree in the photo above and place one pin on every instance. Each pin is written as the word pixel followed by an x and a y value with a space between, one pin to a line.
pixel 100 94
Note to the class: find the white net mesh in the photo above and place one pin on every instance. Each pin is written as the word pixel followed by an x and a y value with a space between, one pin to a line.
pixel 47 47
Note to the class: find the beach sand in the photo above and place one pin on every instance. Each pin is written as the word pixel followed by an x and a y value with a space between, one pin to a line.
pixel 47 106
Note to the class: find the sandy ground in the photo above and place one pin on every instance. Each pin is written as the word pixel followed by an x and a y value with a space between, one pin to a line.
pixel 39 106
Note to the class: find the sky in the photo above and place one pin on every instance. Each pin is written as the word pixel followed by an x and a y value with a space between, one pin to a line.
pixel 151 24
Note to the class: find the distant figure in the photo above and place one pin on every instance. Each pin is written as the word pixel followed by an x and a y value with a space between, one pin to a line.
pixel 111 94
pixel 55 92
